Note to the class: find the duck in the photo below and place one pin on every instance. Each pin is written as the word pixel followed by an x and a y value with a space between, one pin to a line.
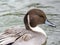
pixel 31 34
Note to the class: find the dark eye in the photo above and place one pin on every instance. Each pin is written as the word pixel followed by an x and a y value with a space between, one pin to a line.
pixel 40 16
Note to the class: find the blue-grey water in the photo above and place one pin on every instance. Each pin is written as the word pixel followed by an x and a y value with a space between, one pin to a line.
pixel 13 11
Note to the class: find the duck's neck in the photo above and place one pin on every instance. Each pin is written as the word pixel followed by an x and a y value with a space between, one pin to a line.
pixel 36 28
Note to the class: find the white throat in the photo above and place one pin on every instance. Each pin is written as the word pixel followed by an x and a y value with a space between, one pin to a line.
pixel 37 28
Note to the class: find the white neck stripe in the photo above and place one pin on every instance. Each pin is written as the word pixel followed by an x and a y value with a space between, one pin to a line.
pixel 36 29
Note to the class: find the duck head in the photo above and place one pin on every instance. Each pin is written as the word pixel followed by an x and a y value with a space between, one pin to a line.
pixel 35 17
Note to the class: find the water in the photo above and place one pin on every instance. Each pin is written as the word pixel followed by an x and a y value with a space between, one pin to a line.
pixel 13 11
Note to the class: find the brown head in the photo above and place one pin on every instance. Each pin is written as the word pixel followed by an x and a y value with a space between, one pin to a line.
pixel 36 17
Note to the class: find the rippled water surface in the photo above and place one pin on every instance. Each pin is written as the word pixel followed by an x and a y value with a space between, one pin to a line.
pixel 13 11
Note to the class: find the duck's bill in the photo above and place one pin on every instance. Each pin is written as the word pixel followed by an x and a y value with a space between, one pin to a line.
pixel 49 23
